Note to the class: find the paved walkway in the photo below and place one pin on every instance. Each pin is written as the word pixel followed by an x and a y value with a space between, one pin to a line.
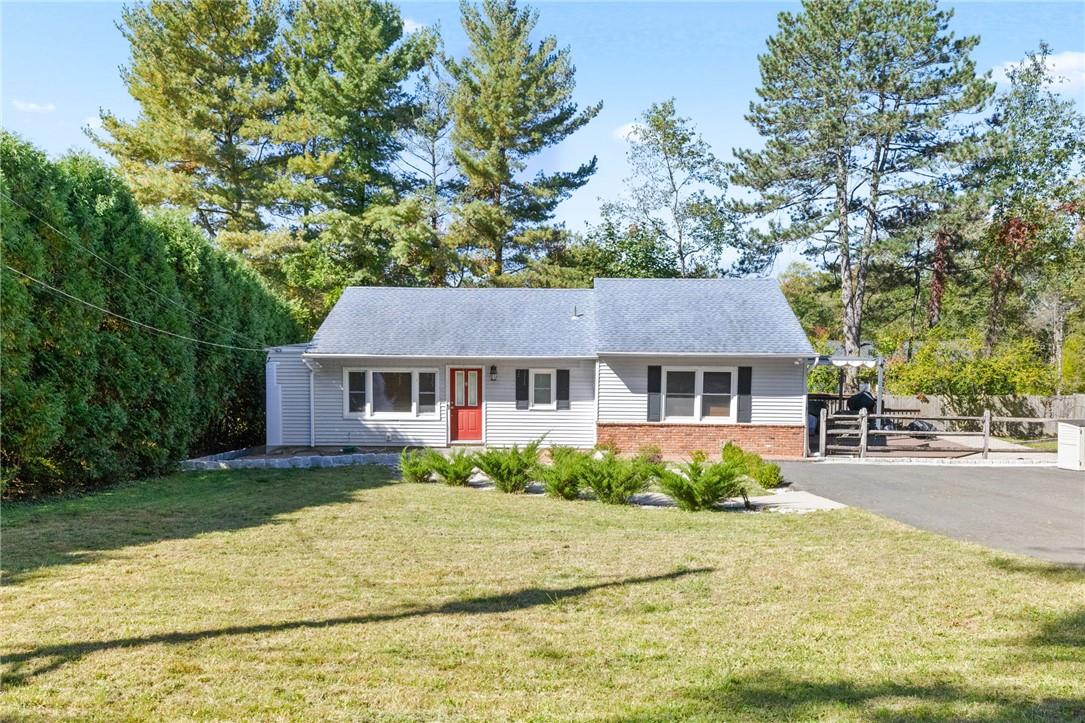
pixel 785 499
pixel 1037 511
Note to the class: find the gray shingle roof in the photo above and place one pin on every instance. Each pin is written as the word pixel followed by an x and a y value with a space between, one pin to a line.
pixel 710 316
pixel 459 323
pixel 650 316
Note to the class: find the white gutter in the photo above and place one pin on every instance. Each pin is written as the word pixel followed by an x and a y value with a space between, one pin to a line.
pixel 739 355
pixel 312 366
pixel 472 357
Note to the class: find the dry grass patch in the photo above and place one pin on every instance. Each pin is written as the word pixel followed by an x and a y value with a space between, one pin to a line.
pixel 336 594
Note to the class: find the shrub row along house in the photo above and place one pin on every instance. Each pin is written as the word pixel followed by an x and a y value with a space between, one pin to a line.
pixel 680 363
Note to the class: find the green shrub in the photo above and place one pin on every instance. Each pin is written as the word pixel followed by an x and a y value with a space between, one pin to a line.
pixel 766 474
pixel 650 453
pixel 416 465
pixel 454 470
pixel 699 484
pixel 89 400
pixel 614 480
pixel 561 477
pixel 509 469
pixel 608 445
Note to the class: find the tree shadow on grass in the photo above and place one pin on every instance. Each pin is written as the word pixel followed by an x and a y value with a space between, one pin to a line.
pixel 79 530
pixel 51 657
pixel 1053 571
pixel 777 695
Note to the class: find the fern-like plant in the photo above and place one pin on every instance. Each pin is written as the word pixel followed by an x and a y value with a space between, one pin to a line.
pixel 561 477
pixel 614 480
pixel 510 469
pixel 699 484
pixel 415 465
pixel 454 470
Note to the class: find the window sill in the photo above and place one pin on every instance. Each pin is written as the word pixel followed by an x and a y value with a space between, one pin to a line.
pixel 718 422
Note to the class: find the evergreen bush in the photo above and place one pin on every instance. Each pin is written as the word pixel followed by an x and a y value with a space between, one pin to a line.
pixel 88 398
pixel 615 480
pixel 416 465
pixel 510 469
pixel 700 485
pixel 767 475
pixel 454 470
pixel 562 477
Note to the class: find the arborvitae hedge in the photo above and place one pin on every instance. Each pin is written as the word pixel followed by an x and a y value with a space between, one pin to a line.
pixel 89 399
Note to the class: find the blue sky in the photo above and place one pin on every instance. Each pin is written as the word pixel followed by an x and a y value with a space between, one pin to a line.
pixel 60 63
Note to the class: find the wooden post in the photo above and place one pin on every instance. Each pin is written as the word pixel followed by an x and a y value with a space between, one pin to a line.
pixel 862 432
pixel 986 432
pixel 823 421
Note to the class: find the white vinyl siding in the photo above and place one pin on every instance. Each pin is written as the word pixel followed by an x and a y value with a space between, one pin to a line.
pixel 335 428
pixel 503 424
pixel 778 387
pixel 507 425
pixel 292 377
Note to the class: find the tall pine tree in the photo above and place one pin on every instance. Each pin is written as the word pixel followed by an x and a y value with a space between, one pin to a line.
pixel 209 87
pixel 859 100
pixel 513 99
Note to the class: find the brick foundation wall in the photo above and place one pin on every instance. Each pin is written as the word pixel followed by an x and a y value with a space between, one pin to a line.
pixel 678 440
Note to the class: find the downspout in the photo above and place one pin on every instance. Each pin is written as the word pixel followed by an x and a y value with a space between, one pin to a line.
pixel 312 367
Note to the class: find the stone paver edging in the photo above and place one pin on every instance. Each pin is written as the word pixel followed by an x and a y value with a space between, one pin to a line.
pixel 386 459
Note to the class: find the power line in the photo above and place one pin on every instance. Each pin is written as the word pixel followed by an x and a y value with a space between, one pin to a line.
pixel 125 318
pixel 118 269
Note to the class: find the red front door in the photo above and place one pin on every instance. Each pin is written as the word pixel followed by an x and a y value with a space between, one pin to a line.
pixel 465 405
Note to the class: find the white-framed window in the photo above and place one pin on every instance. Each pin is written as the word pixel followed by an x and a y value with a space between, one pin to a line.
pixel 389 393
pixel 704 395
pixel 354 396
pixel 542 385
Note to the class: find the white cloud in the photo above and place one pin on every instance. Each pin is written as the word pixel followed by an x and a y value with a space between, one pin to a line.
pixel 93 122
pixel 1067 70
pixel 625 132
pixel 25 106
pixel 411 26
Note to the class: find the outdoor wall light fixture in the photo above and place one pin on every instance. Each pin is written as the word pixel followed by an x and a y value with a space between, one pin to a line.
pixel 493 372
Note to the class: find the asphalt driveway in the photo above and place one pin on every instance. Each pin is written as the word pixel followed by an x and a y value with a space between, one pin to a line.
pixel 1037 511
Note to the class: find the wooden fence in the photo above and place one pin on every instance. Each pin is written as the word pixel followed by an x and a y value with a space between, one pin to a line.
pixel 1017 416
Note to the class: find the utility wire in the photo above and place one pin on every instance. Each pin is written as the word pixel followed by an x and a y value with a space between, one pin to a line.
pixel 125 318
pixel 193 314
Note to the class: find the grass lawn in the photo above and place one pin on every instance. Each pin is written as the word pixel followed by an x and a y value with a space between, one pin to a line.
pixel 1045 444
pixel 339 594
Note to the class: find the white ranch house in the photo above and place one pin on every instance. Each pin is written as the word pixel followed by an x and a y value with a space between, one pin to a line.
pixel 680 363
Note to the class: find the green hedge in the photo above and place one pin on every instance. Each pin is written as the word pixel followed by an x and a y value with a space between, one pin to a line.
pixel 89 399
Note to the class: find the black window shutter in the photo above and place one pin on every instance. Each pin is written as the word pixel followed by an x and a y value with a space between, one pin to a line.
pixel 745 407
pixel 655 406
pixel 563 389
pixel 521 389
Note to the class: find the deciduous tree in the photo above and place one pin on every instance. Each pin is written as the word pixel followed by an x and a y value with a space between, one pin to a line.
pixel 677 191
